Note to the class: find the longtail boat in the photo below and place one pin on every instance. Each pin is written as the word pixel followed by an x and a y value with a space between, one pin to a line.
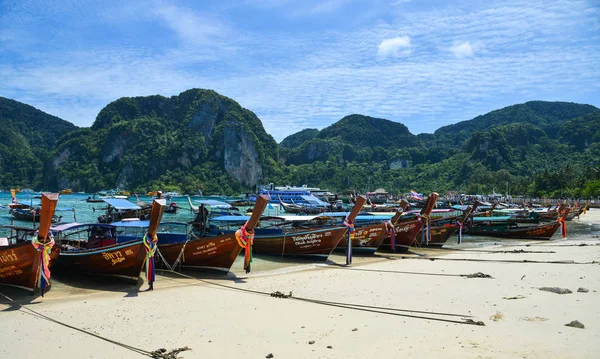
pixel 368 236
pixel 93 249
pixel 485 226
pixel 298 208
pixel 210 251
pixel 180 247
pixel 119 209
pixel 297 236
pixel 514 231
pixel 442 229
pixel 26 263
pixel 408 226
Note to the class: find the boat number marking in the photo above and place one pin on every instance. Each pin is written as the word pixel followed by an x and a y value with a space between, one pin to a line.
pixel 8 257
pixel 209 248
pixel 9 271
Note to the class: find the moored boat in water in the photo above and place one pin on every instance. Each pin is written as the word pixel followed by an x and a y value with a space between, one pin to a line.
pixel 179 246
pixel 443 228
pixel 408 226
pixel 93 249
pixel 370 231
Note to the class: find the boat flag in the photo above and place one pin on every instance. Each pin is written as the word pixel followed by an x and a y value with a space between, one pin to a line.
pixel 415 195
pixel 270 206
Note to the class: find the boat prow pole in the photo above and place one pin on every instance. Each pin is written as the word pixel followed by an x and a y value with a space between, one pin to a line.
pixel 349 223
pixel 44 241
pixel 151 239
pixel 245 235
pixel 425 212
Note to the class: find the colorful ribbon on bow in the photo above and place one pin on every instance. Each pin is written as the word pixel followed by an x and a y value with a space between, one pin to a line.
pixel 150 244
pixel 45 249
pixel 460 228
pixel 350 226
pixel 563 226
pixel 391 231
pixel 245 240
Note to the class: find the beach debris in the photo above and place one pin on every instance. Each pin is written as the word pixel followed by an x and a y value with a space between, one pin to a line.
pixel 471 321
pixel 311 342
pixel 329 347
pixel 534 319
pixel 269 356
pixel 582 290
pixel 575 324
pixel 496 317
pixel 163 354
pixel 525 275
pixel 278 294
pixel 355 329
pixel 515 297
pixel 477 275
pixel 556 290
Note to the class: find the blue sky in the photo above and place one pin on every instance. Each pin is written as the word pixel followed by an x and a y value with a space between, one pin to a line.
pixel 300 64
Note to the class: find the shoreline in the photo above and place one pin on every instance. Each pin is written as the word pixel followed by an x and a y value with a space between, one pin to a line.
pixel 222 322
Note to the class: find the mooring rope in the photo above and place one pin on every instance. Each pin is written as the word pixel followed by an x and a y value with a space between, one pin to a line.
pixel 360 307
pixel 498 260
pixel 157 354
pixel 394 271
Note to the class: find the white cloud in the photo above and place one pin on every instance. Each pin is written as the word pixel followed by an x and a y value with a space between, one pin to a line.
pixel 395 47
pixel 189 25
pixel 462 49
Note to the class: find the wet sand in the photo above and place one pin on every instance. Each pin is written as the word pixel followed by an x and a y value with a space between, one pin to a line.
pixel 217 321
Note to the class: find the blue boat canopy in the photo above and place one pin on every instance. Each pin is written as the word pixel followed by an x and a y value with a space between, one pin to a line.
pixel 215 203
pixel 230 218
pixel 312 200
pixel 120 204
pixel 132 224
pixel 66 226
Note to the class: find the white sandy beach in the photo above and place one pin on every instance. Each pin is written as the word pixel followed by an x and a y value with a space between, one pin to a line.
pixel 218 322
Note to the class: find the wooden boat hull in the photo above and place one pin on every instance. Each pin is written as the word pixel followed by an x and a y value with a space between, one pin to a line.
pixel 20 265
pixel 120 260
pixel 314 244
pixel 367 239
pixel 542 231
pixel 439 235
pixel 406 235
pixel 215 253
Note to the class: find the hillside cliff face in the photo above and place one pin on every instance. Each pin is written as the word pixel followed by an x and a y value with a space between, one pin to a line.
pixel 27 136
pixel 197 138
pixel 202 140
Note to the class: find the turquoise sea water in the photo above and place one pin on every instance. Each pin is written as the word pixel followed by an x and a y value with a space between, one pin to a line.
pixel 89 212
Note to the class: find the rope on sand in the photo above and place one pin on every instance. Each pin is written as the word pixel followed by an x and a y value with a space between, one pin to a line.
pixel 157 354
pixel 359 307
pixel 498 260
pixel 402 272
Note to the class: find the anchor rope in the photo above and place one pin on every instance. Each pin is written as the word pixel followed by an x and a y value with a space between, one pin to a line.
pixel 360 307
pixel 157 354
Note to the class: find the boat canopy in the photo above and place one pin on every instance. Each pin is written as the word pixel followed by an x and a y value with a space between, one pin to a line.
pixel 230 219
pixel 66 226
pixel 133 224
pixel 214 203
pixel 314 201
pixel 120 204
pixel 493 219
